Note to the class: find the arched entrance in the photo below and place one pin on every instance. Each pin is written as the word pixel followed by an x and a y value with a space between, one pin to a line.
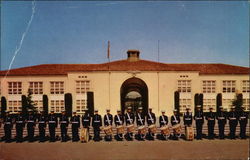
pixel 134 93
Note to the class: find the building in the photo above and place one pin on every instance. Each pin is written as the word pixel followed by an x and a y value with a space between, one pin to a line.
pixel 107 85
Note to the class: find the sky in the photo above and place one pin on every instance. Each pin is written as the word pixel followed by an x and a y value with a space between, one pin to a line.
pixel 49 32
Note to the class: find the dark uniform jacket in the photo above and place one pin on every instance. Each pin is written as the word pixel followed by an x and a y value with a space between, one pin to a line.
pixel 86 120
pixel 210 118
pixel 31 121
pixel 151 119
pixel 198 117
pixel 75 121
pixel 129 118
pixel 42 121
pixel 52 120
pixel 97 121
pixel 187 118
pixel 243 117
pixel 232 117
pixel 140 119
pixel 163 120
pixel 7 122
pixel 175 120
pixel 119 119
pixel 108 120
pixel 221 117
pixel 20 121
pixel 64 121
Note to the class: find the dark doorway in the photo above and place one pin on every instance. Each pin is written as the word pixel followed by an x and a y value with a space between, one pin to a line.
pixel 134 93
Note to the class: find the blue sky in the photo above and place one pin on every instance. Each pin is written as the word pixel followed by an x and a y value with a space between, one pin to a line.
pixel 78 32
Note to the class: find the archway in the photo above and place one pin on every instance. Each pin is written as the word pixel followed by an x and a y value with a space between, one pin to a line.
pixel 134 93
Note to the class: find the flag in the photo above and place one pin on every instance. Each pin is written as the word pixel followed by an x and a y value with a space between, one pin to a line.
pixel 108 53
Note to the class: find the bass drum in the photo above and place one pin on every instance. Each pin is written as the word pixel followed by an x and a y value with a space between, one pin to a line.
pixel 84 136
pixel 189 133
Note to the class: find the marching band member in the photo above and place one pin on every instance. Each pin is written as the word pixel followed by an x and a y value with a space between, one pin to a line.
pixel 96 124
pixel 42 126
pixel 221 117
pixel 129 118
pixel 199 120
pixel 108 121
pixel 210 123
pixel 233 120
pixel 75 125
pixel 86 118
pixel 53 122
pixel 119 120
pixel 187 118
pixel 140 121
pixel 163 120
pixel 243 117
pixel 175 119
pixel 7 127
pixel 64 122
pixel 31 124
pixel 150 121
pixel 20 124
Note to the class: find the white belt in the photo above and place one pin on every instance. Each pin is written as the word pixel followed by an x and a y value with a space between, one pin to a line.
pixel 198 118
pixel 63 122
pixel 187 118
pixel 52 122
pixel 7 123
pixel 85 120
pixel 232 118
pixel 221 117
pixel 96 121
pixel 75 122
pixel 41 122
pixel 19 121
pixel 30 121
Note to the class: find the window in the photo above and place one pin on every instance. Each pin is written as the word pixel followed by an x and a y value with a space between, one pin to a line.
pixel 245 86
pixel 81 105
pixel 57 105
pixel 208 103
pixel 39 105
pixel 14 106
pixel 208 86
pixel 228 86
pixel 57 87
pixel 82 87
pixel 36 87
pixel 246 104
pixel 15 87
pixel 184 103
pixel 184 85
pixel 227 103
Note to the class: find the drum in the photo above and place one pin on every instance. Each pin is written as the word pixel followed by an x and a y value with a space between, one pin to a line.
pixel 177 129
pixel 108 130
pixel 84 135
pixel 142 130
pixel 152 128
pixel 130 128
pixel 120 129
pixel 165 130
pixel 189 133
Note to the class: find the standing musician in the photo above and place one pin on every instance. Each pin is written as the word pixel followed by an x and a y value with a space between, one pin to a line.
pixel 129 118
pixel 119 120
pixel 64 122
pixel 243 117
pixel 20 124
pixel 75 121
pixel 7 126
pixel 199 120
pixel 233 121
pixel 53 122
pixel 31 124
pixel 163 120
pixel 187 118
pixel 96 124
pixel 210 123
pixel 86 118
pixel 140 121
pixel 42 126
pixel 222 120
pixel 108 121
pixel 151 120
pixel 175 119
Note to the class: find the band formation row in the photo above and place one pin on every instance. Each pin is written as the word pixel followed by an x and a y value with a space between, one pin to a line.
pixel 125 125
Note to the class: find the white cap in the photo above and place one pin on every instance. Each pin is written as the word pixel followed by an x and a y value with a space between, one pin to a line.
pixel 175 110
pixel 140 108
pixel 129 107
pixel 118 110
pixel 198 106
pixel 163 111
pixel 96 110
pixel 221 107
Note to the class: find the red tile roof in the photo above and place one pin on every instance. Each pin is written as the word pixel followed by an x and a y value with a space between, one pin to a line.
pixel 124 65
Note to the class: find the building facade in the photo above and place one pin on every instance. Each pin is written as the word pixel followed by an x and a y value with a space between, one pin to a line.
pixel 107 85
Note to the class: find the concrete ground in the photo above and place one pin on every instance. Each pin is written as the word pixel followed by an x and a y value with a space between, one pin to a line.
pixel 135 150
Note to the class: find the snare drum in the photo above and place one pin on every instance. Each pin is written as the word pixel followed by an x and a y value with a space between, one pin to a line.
pixel 84 135
pixel 177 129
pixel 120 129
pixel 190 133
pixel 152 128
pixel 130 128
pixel 142 130
pixel 165 130
pixel 108 130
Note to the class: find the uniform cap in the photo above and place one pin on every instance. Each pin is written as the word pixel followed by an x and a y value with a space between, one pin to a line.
pixel 96 110
pixel 175 110
pixel 29 110
pixel 7 111
pixel 198 106
pixel 63 110
pixel 188 108
pixel 118 110
pixel 211 108
pixel 129 107
pixel 163 111
pixel 233 107
pixel 52 110
pixel 140 108
pixel 221 107
pixel 150 108
pixel 107 109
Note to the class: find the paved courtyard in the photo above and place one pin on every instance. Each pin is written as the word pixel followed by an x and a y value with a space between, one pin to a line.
pixel 146 150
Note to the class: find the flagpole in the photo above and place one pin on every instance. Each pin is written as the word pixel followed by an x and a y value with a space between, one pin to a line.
pixel 108 56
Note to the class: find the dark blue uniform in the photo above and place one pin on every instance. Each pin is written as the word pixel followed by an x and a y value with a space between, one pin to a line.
pixel 119 120
pixel 64 122
pixel 20 124
pixel 199 120
pixel 243 118
pixel 151 119
pixel 108 121
pixel 31 124
pixel 140 121
pixel 7 128
pixel 175 119
pixel 42 127
pixel 222 120
pixel 96 124
pixel 210 124
pixel 53 122
pixel 75 121
pixel 233 121
pixel 129 119
pixel 86 120
pixel 163 120
pixel 188 119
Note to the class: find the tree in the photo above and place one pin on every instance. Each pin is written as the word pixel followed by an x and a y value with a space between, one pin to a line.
pixel 177 100
pixel 45 104
pixel 68 104
pixel 3 106
pixel 218 101
pixel 238 102
pixel 28 103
